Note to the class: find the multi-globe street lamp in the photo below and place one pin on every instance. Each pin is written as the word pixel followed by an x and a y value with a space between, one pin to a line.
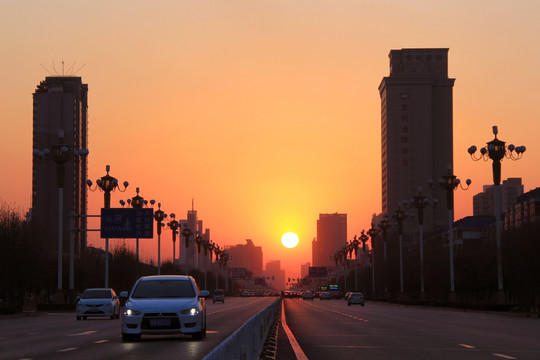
pixel 373 232
pixel 107 184
pixel 353 245
pixel 136 202
pixel 420 202
pixel 187 233
pixel 159 216
pixel 173 225
pixel 199 240
pixel 496 150
pixel 60 153
pixel 449 183
pixel 363 239
pixel 384 225
pixel 399 216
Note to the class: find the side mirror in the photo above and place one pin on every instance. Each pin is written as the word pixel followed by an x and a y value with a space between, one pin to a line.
pixel 204 293
pixel 124 294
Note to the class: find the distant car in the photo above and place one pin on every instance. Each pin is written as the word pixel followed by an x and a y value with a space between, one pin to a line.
pixel 246 294
pixel 356 298
pixel 219 296
pixel 98 302
pixel 166 304
pixel 307 295
pixel 325 295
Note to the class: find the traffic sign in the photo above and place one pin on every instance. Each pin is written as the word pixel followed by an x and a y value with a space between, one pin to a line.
pixel 127 223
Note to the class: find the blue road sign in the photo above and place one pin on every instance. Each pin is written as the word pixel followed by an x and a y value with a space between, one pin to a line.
pixel 128 223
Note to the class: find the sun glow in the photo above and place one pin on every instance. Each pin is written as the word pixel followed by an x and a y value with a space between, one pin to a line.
pixel 289 240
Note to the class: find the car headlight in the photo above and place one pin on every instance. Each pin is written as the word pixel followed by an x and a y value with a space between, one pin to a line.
pixel 192 311
pixel 131 312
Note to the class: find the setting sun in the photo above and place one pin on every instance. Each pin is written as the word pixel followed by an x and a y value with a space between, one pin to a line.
pixel 289 240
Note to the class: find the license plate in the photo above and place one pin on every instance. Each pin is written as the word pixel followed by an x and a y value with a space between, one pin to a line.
pixel 160 322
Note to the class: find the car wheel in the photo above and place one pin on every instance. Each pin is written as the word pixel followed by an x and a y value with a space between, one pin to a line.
pixel 349 304
pixel 84 317
pixel 78 318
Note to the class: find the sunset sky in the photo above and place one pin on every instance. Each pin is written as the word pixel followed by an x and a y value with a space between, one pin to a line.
pixel 266 113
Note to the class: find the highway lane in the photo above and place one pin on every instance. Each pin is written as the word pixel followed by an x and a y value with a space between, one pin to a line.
pixel 333 330
pixel 61 336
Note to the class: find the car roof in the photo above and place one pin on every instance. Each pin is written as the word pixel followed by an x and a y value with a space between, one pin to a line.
pixel 165 277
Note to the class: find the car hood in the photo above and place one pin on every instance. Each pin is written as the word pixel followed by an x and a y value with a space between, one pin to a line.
pixel 162 305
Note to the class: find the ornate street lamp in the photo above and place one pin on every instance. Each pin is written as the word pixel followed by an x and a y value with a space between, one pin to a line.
pixel 107 184
pixel 384 225
pixel 159 216
pixel 373 232
pixel 363 239
pixel 173 225
pixel 199 242
pixel 420 202
pixel 496 150
pixel 353 245
pixel 400 215
pixel 187 233
pixel 449 183
pixel 60 154
pixel 136 202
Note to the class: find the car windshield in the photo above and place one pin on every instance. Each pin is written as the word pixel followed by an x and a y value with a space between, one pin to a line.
pixel 164 289
pixel 96 294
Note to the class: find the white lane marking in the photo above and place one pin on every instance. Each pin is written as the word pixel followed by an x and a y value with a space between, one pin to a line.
pixel 82 333
pixel 467 346
pixel 504 356
pixel 67 349
pixel 101 341
pixel 296 347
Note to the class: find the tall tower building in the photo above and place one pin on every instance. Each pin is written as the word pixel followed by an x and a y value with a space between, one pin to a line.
pixel 331 236
pixel 60 120
pixel 416 128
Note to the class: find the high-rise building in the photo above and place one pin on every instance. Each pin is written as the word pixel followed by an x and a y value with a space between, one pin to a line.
pixel 60 126
pixel 484 202
pixel 275 275
pixel 331 236
pixel 416 128
pixel 246 256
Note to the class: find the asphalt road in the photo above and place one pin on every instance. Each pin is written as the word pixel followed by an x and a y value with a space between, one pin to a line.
pixel 61 336
pixel 329 329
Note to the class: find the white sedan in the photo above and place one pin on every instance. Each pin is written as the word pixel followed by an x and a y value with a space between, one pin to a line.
pixel 98 302
pixel 168 304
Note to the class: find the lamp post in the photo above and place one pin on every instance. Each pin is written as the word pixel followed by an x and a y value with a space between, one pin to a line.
pixel 420 202
pixel 384 225
pixel 354 246
pixel 137 202
pixel 449 183
pixel 199 242
pixel 107 184
pixel 373 232
pixel 363 239
pixel 60 155
pixel 187 233
pixel 218 253
pixel 206 247
pixel 159 216
pixel 173 225
pixel 496 150
pixel 400 215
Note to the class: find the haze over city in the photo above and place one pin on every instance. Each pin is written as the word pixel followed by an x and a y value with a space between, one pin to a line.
pixel 264 114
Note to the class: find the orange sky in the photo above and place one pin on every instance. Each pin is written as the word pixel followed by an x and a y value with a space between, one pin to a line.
pixel 266 113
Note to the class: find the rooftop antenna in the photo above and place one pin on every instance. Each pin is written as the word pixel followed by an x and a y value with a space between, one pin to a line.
pixel 192 204
pixel 70 71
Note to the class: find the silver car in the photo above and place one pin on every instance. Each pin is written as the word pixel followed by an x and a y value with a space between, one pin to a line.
pixel 167 304
pixel 98 302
